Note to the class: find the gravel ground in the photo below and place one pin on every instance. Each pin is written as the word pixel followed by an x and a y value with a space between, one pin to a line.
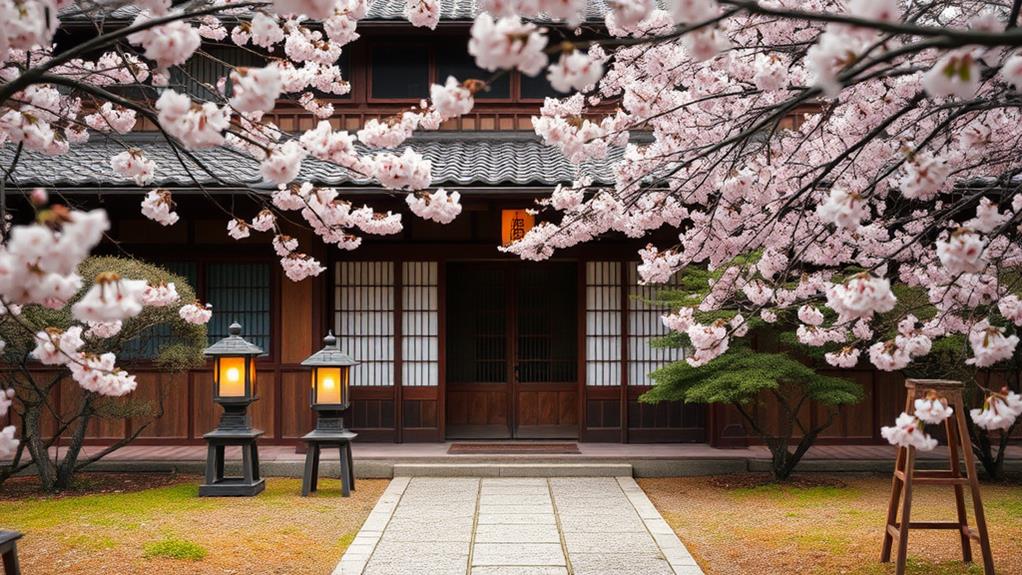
pixel 825 526
pixel 110 529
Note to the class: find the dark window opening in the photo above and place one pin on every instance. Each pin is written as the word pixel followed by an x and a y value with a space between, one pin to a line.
pixel 537 88
pixel 456 61
pixel 400 72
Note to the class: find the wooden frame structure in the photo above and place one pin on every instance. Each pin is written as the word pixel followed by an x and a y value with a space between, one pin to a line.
pixel 906 476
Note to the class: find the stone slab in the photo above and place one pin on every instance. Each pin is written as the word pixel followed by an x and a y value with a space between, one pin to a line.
pixel 538 554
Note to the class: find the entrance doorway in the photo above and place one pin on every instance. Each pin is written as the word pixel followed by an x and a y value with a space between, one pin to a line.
pixel 512 350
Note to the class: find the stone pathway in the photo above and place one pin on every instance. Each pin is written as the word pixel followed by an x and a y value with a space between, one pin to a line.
pixel 516 526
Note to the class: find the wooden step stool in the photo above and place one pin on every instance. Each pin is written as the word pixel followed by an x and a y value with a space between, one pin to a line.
pixel 905 476
pixel 9 552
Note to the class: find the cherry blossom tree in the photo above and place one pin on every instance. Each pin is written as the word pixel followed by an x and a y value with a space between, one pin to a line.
pixel 86 352
pixel 814 151
pixel 813 155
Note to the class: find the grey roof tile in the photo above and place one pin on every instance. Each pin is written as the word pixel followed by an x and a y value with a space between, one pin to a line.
pixel 451 10
pixel 458 159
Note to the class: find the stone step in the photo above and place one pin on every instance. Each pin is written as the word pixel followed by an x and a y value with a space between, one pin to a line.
pixel 512 470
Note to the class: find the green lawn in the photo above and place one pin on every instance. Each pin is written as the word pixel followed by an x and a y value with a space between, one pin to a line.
pixel 825 530
pixel 170 529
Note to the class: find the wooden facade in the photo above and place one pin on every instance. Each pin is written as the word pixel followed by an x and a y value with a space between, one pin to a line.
pixel 455 341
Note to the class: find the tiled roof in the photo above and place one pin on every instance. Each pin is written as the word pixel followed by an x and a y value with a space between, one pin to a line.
pixel 451 10
pixel 458 159
pixel 233 344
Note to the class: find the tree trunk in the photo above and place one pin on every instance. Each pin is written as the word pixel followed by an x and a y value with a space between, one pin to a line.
pixel 66 470
pixel 33 437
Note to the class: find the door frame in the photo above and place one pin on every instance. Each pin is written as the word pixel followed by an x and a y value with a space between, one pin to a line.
pixel 513 386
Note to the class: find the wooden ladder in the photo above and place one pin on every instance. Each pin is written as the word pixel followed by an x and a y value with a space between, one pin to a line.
pixel 905 476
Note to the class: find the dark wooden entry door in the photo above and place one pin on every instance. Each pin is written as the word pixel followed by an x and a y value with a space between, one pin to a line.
pixel 512 350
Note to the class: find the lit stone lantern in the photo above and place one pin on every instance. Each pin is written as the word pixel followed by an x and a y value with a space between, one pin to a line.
pixel 329 397
pixel 331 378
pixel 234 389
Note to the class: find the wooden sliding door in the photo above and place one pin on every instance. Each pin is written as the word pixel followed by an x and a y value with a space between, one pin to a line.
pixel 512 350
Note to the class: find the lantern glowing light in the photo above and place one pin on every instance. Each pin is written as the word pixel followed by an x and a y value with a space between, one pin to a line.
pixel 331 377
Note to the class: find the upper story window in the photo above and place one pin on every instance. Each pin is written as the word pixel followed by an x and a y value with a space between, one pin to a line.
pixel 537 88
pixel 400 72
pixel 404 71
pixel 454 60
pixel 199 75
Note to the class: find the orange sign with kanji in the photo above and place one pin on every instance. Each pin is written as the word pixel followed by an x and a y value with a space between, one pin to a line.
pixel 514 224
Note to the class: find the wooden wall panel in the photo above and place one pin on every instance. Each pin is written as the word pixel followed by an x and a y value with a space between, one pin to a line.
pixel 296 415
pixel 71 396
pixel 207 414
pixel 262 411
pixel 296 321
pixel 173 388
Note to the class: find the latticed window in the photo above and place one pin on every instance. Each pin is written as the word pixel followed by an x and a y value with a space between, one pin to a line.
pixel 603 323
pixel 240 292
pixel 364 319
pixel 644 326
pixel 420 324
pixel 150 342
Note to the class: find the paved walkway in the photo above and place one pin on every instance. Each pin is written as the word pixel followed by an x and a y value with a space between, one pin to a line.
pixel 516 526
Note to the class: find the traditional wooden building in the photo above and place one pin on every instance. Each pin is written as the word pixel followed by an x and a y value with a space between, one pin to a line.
pixel 455 339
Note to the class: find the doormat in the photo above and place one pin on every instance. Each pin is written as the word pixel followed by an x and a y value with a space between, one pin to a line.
pixel 513 449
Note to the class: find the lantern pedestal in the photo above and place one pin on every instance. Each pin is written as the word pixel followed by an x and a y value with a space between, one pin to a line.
pixel 217 485
pixel 315 441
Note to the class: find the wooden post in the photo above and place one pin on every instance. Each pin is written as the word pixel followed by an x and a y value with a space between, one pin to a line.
pixel 905 475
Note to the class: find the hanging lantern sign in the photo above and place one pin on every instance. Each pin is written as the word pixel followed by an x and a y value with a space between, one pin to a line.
pixel 514 224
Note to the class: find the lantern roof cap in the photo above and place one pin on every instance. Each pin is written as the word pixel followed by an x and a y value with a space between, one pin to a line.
pixel 330 355
pixel 233 344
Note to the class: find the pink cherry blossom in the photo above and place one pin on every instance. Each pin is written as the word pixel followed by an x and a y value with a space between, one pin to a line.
pixel 847 357
pixel 133 164
pixel 999 411
pixel 264 221
pixel 405 172
pixel 843 209
pixel 908 432
pixel 196 126
pixel 962 252
pixel 159 207
pixel 282 165
pixel 955 74
pixel 56 347
pixel 160 295
pixel 196 313
pixel 708 342
pixel 574 71
pixel 316 9
pixel 238 229
pixel 297 267
pixel 507 43
pixel 8 444
pixel 423 13
pixel 1010 307
pixel 98 374
pixel 103 329
pixel 110 298
pixel 860 297
pixel 989 344
pixel 439 206
pixel 255 89
pixel 451 100
pixel 109 118
pixel 169 44
pixel 1011 70
pixel 932 410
